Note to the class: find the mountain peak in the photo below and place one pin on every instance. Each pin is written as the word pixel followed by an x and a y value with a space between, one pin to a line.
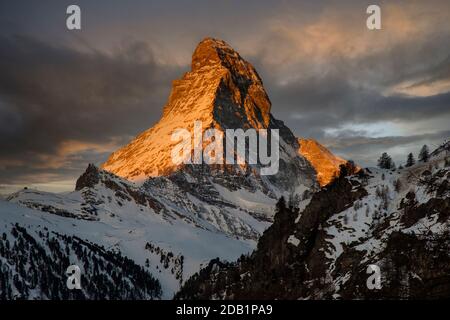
pixel 211 51
pixel 223 91
pixel 223 84
pixel 325 163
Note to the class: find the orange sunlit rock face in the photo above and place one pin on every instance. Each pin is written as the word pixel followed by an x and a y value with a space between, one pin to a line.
pixel 324 162
pixel 222 90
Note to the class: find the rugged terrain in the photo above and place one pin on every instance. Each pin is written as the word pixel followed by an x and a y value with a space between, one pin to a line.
pixel 398 220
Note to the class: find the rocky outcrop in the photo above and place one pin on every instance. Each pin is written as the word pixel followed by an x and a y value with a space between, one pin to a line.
pixel 325 163
pixel 89 178
pixel 287 255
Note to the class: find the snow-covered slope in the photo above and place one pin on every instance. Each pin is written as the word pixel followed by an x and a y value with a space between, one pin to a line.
pixel 136 231
pixel 36 250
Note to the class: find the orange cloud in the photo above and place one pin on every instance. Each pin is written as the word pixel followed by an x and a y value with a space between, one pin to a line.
pixel 344 33
pixel 71 148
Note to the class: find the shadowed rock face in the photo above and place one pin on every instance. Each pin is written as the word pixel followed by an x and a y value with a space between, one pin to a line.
pixel 277 269
pixel 88 179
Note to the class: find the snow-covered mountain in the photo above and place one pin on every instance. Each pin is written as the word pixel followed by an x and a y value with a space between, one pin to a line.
pixel 397 220
pixel 36 249
pixel 223 91
pixel 170 219
pixel 116 214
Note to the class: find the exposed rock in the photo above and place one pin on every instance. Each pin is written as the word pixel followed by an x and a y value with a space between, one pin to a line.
pixel 89 178
pixel 324 162
pixel 323 252
pixel 224 91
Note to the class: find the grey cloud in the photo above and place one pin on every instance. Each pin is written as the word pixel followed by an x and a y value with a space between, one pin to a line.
pixel 352 91
pixel 366 150
pixel 345 90
pixel 441 71
pixel 50 94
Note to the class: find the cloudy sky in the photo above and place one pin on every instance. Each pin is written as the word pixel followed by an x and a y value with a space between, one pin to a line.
pixel 68 98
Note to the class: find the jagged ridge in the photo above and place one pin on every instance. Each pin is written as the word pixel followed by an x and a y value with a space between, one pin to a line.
pixel 397 220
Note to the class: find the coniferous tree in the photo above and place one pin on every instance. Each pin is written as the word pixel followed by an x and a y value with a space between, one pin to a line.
pixel 410 161
pixel 343 171
pixel 424 154
pixel 367 211
pixel 281 205
pixel 385 162
pixel 345 219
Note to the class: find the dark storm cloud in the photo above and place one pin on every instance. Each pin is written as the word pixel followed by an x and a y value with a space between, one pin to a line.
pixel 350 141
pixel 441 71
pixel 352 89
pixel 71 97
pixel 345 90
pixel 51 94
pixel 316 105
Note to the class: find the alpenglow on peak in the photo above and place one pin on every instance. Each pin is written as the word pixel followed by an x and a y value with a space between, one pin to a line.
pixel 223 91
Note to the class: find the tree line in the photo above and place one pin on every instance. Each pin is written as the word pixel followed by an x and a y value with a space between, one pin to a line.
pixel 385 161
pixel 33 266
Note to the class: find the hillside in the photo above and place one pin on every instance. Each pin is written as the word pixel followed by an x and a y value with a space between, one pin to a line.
pixel 397 220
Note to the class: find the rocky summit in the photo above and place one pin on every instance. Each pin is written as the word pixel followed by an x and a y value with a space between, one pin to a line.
pixel 223 91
